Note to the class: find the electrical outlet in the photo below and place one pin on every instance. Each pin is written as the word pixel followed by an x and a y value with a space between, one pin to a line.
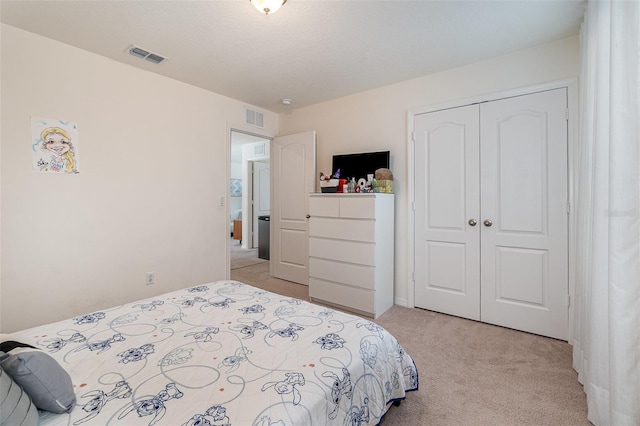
pixel 151 278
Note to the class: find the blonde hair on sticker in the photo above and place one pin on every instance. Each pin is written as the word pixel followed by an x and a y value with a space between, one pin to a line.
pixel 71 160
pixel 51 130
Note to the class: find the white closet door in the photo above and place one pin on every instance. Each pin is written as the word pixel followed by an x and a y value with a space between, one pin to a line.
pixel 502 164
pixel 446 198
pixel 524 266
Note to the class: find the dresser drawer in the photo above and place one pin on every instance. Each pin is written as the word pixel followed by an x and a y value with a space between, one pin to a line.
pixel 358 207
pixel 324 206
pixel 346 251
pixel 344 273
pixel 342 229
pixel 351 297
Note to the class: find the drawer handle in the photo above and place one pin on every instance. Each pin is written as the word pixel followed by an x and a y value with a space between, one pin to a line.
pixel 308 216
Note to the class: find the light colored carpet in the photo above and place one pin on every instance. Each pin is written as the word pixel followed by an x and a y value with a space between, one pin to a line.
pixel 471 374
pixel 258 276
pixel 243 263
pixel 241 258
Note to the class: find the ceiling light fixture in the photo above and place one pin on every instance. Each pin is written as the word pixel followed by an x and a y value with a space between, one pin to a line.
pixel 286 101
pixel 268 6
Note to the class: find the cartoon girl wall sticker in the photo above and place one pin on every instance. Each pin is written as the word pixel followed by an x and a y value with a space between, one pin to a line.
pixel 58 142
pixel 53 149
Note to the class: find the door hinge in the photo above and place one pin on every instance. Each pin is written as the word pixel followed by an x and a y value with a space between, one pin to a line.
pixel 568 207
pixel 413 276
pixel 568 300
pixel 413 136
pixel 566 114
pixel 413 206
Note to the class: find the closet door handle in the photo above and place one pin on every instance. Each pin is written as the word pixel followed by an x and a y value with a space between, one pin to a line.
pixel 488 223
pixel 473 222
pixel 308 216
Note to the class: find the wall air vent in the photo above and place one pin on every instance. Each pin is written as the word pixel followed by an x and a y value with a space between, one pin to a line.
pixel 254 118
pixel 141 53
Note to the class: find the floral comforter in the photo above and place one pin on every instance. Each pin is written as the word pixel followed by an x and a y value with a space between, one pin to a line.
pixel 226 353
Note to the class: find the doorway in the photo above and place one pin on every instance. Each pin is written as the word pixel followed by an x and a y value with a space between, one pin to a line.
pixel 292 177
pixel 248 198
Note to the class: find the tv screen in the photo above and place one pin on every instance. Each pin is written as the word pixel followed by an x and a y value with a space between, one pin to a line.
pixel 359 165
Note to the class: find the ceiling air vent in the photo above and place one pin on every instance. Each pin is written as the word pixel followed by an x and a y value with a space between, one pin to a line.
pixel 254 118
pixel 141 53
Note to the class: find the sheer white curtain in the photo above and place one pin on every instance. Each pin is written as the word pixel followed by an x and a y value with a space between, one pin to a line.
pixel 606 349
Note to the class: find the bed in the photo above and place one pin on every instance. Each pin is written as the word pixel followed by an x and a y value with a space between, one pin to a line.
pixel 225 353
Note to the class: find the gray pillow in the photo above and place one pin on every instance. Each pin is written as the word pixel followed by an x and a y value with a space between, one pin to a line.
pixel 16 408
pixel 41 377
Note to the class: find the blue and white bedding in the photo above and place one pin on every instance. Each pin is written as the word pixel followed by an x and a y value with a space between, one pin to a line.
pixel 226 353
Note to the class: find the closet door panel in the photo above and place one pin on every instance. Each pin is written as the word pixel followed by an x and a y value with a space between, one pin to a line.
pixel 447 246
pixel 521 156
pixel 524 265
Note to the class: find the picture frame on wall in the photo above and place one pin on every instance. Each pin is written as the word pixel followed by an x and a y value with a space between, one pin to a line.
pixel 235 189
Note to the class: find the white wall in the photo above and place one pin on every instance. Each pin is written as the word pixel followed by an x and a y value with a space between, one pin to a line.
pixel 152 169
pixel 376 120
pixel 153 165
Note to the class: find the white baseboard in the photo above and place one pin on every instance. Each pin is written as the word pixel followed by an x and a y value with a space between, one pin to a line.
pixel 400 302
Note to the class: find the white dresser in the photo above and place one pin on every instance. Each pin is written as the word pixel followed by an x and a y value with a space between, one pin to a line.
pixel 351 251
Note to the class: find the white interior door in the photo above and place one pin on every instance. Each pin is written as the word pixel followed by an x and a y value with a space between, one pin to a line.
pixel 293 172
pixel 524 267
pixel 502 164
pixel 447 257
pixel 261 194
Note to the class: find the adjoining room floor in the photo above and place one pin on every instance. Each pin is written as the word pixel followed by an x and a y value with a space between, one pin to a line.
pixel 241 258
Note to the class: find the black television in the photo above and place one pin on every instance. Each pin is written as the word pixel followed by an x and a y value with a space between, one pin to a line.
pixel 359 165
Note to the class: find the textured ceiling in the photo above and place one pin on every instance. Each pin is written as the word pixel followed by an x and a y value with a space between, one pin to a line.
pixel 309 51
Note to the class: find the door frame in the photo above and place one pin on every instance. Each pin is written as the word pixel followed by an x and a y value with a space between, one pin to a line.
pixel 571 84
pixel 239 128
